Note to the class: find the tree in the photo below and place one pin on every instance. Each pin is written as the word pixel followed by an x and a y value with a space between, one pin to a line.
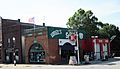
pixel 86 20
pixel 108 30
pixel 83 19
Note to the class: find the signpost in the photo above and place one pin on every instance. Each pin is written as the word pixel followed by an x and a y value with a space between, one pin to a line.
pixel 78 54
pixel 81 37
pixel 76 36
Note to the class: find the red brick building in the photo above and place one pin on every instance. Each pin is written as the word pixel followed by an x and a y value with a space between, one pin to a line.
pixel 55 44
pixel 42 44
pixel 11 40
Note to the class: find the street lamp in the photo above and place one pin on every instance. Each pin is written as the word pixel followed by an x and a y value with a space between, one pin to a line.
pixel 14 51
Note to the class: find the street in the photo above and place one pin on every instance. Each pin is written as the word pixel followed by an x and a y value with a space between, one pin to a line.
pixel 113 63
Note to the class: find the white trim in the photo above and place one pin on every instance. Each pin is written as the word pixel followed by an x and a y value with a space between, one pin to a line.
pixel 63 41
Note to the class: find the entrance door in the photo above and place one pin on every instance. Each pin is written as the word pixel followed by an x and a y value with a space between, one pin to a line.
pixel 67 50
pixel 9 58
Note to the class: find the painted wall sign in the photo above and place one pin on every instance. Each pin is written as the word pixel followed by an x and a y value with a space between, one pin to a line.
pixel 62 33
pixel 56 32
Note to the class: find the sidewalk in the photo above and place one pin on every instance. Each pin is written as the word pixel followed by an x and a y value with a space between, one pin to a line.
pixel 110 60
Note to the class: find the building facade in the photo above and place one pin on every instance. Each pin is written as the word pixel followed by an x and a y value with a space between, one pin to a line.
pixel 29 43
pixel 0 40
pixel 11 40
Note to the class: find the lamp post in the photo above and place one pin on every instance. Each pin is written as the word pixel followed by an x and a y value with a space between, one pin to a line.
pixel 14 51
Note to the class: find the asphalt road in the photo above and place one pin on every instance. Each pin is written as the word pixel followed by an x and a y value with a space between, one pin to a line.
pixel 113 63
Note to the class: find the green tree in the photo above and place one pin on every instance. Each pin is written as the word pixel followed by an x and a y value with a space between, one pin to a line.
pixel 83 19
pixel 86 20
pixel 108 30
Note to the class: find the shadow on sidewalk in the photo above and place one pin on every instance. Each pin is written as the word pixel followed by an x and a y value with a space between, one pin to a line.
pixel 110 61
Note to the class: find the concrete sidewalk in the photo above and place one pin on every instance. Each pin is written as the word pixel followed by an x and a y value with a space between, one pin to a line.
pixel 110 60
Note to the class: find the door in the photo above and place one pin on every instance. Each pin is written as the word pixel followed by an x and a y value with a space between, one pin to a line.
pixel 67 50
pixel 9 57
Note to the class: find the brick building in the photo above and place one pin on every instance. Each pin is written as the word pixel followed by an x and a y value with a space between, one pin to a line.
pixel 56 47
pixel 29 43
pixel 42 45
pixel 11 39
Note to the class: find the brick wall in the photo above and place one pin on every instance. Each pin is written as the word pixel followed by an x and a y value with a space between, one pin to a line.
pixel 54 56
pixel 29 40
pixel 10 29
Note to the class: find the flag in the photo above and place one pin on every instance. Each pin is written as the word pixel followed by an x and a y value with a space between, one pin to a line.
pixel 31 19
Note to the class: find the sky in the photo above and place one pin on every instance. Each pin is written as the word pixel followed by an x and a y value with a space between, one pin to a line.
pixel 57 12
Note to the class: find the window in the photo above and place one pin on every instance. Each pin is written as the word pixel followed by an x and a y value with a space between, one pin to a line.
pixel 37 54
pixel 8 42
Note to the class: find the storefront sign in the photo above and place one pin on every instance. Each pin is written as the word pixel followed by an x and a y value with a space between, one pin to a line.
pixel 62 33
pixel 56 32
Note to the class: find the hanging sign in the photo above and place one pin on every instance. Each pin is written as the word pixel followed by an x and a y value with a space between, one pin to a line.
pixel 73 37
pixel 81 35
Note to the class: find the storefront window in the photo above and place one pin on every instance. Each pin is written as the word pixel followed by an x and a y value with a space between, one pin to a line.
pixel 37 54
